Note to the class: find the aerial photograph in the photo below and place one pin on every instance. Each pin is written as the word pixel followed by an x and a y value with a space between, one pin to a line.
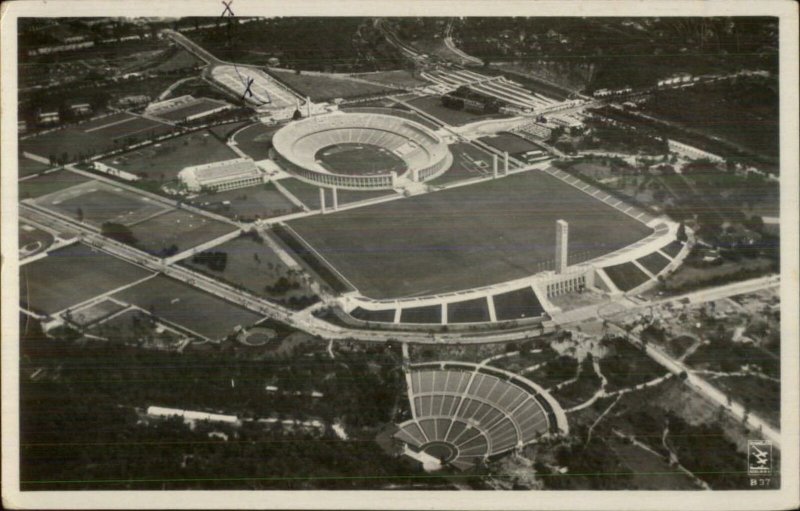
pixel 399 253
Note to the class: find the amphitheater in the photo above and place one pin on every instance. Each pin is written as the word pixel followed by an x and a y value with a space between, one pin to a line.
pixel 423 155
pixel 463 413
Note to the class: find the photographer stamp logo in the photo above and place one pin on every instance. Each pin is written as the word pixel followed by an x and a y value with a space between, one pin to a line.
pixel 759 457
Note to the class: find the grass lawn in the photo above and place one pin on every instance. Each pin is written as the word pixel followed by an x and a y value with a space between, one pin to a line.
pixel 654 262
pixel 518 304
pixel 96 202
pixel 163 161
pixel 428 314
pixel 180 228
pixel 49 183
pixel 73 275
pixel 468 311
pixel 433 243
pixel 626 276
pixel 252 265
pixel 385 315
pixel 468 161
pixel 33 240
pixel 322 87
pixel 256 140
pixel 510 143
pixel 28 167
pixel 433 106
pixel 397 112
pixel 262 201
pixel 188 307
pixel 399 78
pixel 307 194
pixel 93 137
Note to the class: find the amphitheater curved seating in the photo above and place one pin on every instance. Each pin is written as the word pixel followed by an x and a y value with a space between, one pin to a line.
pixel 479 414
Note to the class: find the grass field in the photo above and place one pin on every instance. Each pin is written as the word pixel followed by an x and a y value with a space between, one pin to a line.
pixel 308 194
pixel 188 307
pixel 73 275
pixel 180 228
pixel 28 167
pixel 96 202
pixel 399 78
pixel 518 304
pixel 626 276
pixel 432 243
pixel 49 183
pixel 163 161
pixel 33 240
pixel 322 87
pixel 251 265
pixel 468 161
pixel 432 105
pixel 256 140
pixel 468 311
pixel 510 143
pixel 262 201
pixel 397 112
pixel 385 315
pixel 359 159
pixel 93 137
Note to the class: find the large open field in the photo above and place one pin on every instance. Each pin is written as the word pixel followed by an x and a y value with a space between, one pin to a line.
pixel 256 140
pixel 359 159
pixel 28 167
pixel 322 87
pixel 468 161
pixel 97 202
pixel 432 243
pixel 49 183
pixel 164 160
pixel 73 275
pixel 33 240
pixel 180 228
pixel 433 106
pixel 93 137
pixel 262 201
pixel 250 263
pixel 188 307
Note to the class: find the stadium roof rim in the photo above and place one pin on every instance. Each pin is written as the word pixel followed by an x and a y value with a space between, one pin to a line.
pixel 314 133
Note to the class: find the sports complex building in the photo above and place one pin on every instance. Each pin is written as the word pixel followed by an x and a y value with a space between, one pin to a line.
pixel 359 151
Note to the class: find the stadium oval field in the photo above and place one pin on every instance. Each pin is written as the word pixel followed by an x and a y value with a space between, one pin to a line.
pixel 360 151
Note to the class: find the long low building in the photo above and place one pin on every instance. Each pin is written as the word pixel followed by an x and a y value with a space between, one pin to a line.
pixel 221 176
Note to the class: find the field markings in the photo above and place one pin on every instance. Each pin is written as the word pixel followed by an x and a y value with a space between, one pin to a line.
pixel 121 121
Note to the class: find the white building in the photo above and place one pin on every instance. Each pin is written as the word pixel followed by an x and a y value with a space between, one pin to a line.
pixel 692 152
pixel 190 415
pixel 222 175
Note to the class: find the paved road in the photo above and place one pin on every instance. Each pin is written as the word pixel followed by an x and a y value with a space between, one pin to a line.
pixel 703 387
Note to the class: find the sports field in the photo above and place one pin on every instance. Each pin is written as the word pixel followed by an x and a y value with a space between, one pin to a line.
pixel 468 161
pixel 163 161
pixel 28 167
pixel 94 137
pixel 33 240
pixel 180 228
pixel 359 159
pixel 321 87
pixel 96 202
pixel 513 144
pixel 248 204
pixel 432 105
pixel 256 140
pixel 433 243
pixel 83 273
pixel 188 307
pixel 49 183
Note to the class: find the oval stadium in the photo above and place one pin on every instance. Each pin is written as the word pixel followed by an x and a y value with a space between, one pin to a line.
pixel 360 151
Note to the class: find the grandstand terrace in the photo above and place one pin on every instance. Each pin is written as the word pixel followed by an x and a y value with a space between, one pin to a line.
pixel 298 147
pixel 463 413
